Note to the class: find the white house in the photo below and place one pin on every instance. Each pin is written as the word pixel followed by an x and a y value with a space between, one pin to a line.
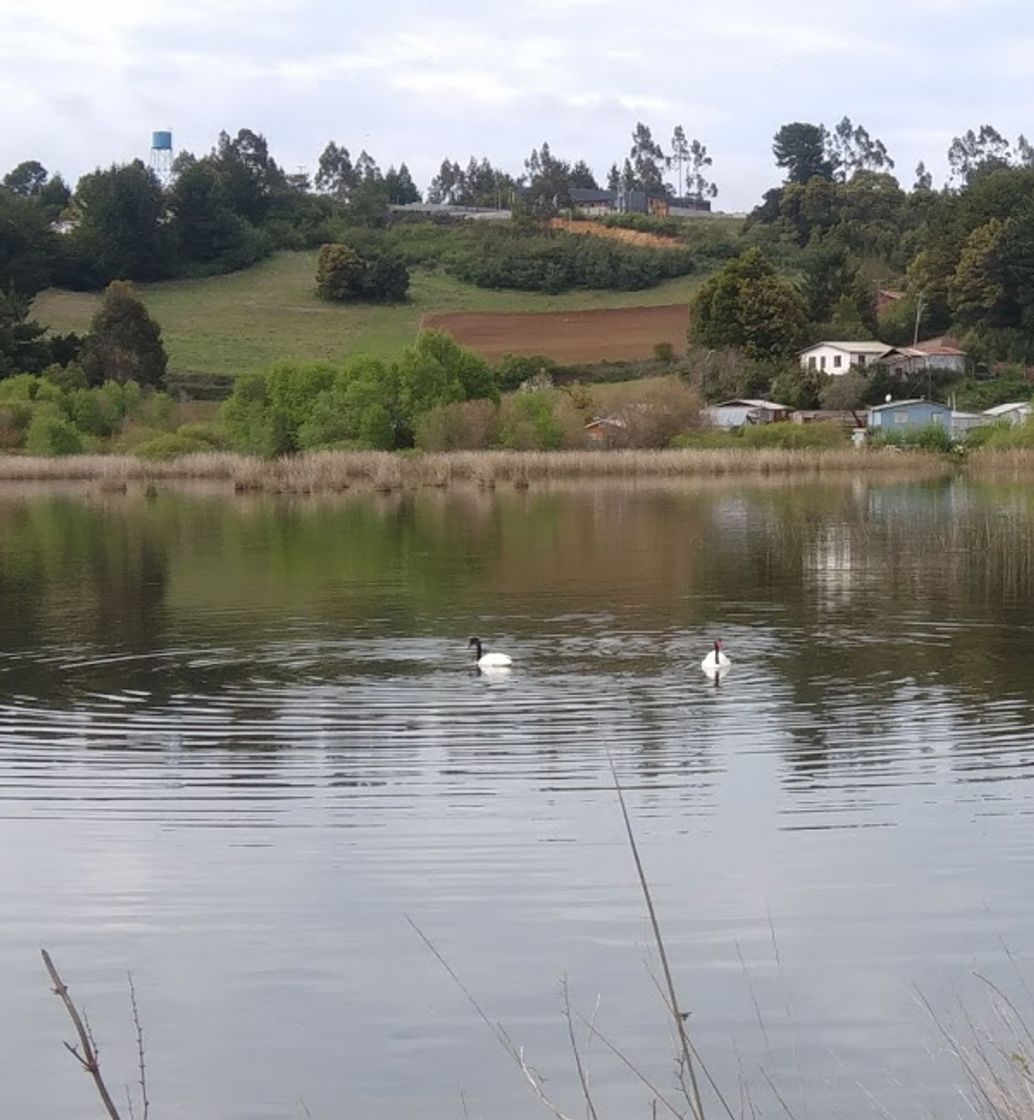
pixel 837 358
pixel 962 423
pixel 1014 413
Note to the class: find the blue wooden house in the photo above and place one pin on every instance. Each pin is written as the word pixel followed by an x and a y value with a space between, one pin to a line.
pixel 908 416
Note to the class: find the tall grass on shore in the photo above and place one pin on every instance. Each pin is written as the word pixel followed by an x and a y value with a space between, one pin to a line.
pixel 1017 462
pixel 322 471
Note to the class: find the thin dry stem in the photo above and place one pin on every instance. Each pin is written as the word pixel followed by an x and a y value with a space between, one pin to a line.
pixel 582 1074
pixel 633 1068
pixel 680 1024
pixel 515 1053
pixel 88 1057
pixel 145 1102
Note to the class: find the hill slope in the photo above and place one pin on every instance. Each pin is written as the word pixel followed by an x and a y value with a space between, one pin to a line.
pixel 228 324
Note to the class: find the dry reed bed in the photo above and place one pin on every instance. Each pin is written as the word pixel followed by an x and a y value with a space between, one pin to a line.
pixel 383 470
pixel 1018 461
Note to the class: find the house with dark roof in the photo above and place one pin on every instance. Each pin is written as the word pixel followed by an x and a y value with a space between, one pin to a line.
pixel 935 354
pixel 595 203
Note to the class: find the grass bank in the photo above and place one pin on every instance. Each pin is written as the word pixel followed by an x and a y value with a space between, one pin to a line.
pixel 323 471
pixel 250 319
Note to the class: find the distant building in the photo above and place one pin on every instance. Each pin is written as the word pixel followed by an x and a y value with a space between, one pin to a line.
pixel 593 202
pixel 887 297
pixel 932 355
pixel 737 413
pixel 962 423
pixel 596 203
pixel 904 416
pixel 836 358
pixel 606 431
pixel 1016 412
pixel 844 418
pixel 446 210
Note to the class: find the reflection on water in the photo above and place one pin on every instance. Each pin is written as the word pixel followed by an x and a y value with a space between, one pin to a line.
pixel 241 740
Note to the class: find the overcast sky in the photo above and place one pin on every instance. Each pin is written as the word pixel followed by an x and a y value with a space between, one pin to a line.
pixel 83 84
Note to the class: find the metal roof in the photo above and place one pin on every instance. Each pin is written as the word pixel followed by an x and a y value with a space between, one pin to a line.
pixel 904 404
pixel 1002 409
pixel 851 347
pixel 770 405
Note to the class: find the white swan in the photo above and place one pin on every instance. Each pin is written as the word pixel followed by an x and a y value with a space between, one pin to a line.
pixel 489 660
pixel 715 661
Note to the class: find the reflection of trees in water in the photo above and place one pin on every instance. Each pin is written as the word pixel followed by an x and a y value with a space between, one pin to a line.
pixel 894 605
pixel 81 573
pixel 849 592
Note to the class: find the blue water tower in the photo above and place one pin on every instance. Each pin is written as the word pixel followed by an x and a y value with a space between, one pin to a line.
pixel 161 155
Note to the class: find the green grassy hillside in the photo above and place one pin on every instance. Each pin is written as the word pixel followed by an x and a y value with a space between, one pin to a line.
pixel 228 324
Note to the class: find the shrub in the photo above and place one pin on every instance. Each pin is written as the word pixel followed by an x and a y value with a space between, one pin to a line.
pixel 460 426
pixel 653 412
pixel 664 352
pixel 931 437
pixel 527 423
pixel 170 445
pixel 342 273
pixel 339 272
pixel 792 437
pixel 1004 435
pixel 512 370
pixel 51 434
pixel 15 418
pixel 209 434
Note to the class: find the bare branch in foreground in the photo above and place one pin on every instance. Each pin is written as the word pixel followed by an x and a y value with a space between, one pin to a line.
pixel 88 1057
pixel 680 1025
pixel 515 1052
pixel 582 1074
pixel 139 1047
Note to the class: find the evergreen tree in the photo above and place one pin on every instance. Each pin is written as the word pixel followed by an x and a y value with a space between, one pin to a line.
pixel 22 349
pixel 124 343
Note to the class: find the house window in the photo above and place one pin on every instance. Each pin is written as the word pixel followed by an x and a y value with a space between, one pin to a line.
pixel 811 362
pixel 937 418
pixel 822 362
pixel 900 417
pixel 836 361
pixel 861 361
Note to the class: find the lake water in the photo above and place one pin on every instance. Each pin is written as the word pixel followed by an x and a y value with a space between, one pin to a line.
pixel 241 741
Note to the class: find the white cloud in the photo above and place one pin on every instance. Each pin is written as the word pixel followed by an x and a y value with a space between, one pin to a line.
pixel 84 85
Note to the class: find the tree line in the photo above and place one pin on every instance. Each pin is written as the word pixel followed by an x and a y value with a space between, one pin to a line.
pixel 958 260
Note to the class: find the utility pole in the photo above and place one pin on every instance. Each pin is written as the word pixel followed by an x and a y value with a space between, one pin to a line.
pixel 919 312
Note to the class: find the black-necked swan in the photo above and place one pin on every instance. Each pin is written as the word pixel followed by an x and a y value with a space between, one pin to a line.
pixel 489 660
pixel 715 661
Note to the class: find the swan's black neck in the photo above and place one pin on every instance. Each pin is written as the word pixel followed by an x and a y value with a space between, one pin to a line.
pixel 476 643
pixel 717 650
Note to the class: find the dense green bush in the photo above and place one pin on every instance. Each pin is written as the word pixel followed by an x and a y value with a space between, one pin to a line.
pixel 343 273
pixel 1004 435
pixel 528 422
pixel 791 436
pixel 512 370
pixel 507 257
pixel 51 434
pixel 930 437
pixel 209 434
pixel 365 403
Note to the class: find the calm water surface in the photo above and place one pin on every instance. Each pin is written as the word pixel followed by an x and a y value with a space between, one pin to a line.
pixel 240 741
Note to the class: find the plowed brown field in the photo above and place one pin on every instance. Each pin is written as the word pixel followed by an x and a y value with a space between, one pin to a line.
pixel 607 334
